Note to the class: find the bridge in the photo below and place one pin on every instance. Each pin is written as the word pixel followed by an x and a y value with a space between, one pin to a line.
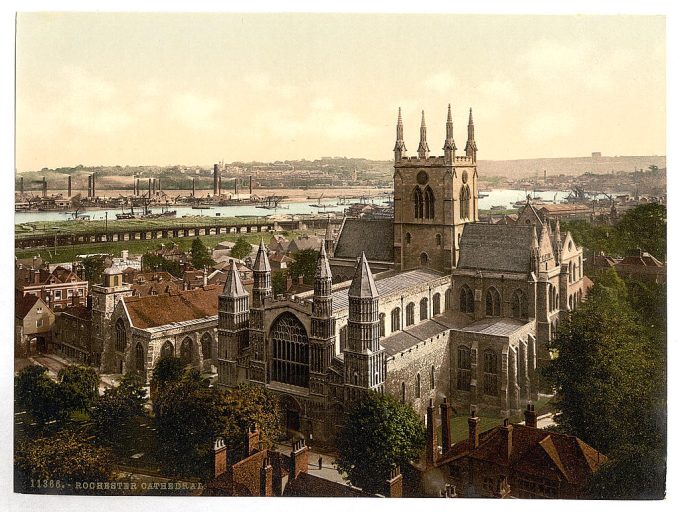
pixel 111 234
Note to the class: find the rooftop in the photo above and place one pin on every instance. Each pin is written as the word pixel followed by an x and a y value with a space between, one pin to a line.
pixel 412 336
pixel 494 326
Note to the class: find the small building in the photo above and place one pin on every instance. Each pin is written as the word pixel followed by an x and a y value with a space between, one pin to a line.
pixel 642 266
pixel 33 321
pixel 73 335
pixel 172 252
pixel 59 288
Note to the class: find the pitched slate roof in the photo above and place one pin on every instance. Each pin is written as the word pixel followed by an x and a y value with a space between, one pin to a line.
pixel 496 247
pixel 374 237
pixel 233 286
pixel 311 485
pixel 261 260
pixel 363 284
pixel 158 310
pixel 23 305
pixel 410 337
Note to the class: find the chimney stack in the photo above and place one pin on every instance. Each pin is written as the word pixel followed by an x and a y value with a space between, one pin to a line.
pixel 530 418
pixel 68 193
pixel 89 185
pixel 94 190
pixel 298 458
pixel 21 184
pixel 193 187
pixel 473 429
pixel 137 191
pixel 431 434
pixel 159 185
pixel 149 188
pixel 153 185
pixel 250 185
pixel 394 484
pixel 445 410
pixel 44 187
pixel 216 177
pixel 220 457
pixel 266 478
pixel 506 435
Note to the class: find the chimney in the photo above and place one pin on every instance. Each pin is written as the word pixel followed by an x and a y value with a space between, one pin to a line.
pixel 193 187
pixel 94 192
pixel 220 457
pixel 44 187
pixel 289 282
pixel 21 184
pixel 153 185
pixel 137 190
pixel 251 441
pixel 394 484
pixel 159 185
pixel 216 173
pixel 89 185
pixel 68 193
pixel 506 436
pixel 266 478
pixel 298 458
pixel 445 412
pixel 431 434
pixel 473 429
pixel 530 418
pixel 250 185
pixel 205 276
pixel 301 279
pixel 149 188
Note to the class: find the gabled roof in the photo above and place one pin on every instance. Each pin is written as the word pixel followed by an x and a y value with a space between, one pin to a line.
pixel 158 310
pixel 24 304
pixel 363 284
pixel 374 237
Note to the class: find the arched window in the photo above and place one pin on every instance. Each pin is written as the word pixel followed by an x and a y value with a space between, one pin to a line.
pixel 467 303
pixel 493 302
pixel 290 351
pixel 410 314
pixel 206 346
pixel 490 372
pixel 396 319
pixel 407 237
pixel 423 258
pixel 432 377
pixel 418 203
pixel 423 309
pixel 186 350
pixel 571 305
pixel 571 271
pixel 438 240
pixel 436 304
pixel 465 202
pixel 139 358
pixel 448 299
pixel 464 367
pixel 167 350
pixel 381 324
pixel 418 386
pixel 343 338
pixel 121 336
pixel 403 392
pixel 520 306
pixel 429 203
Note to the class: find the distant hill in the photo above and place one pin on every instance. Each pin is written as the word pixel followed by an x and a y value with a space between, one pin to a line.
pixel 573 166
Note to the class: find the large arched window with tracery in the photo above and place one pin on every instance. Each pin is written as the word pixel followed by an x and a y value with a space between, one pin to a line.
pixel 490 372
pixel 464 202
pixel 396 319
pixel 493 302
pixel 186 350
pixel 423 309
pixel 410 314
pixel 121 336
pixel 520 306
pixel 167 350
pixel 436 304
pixel 429 203
pixel 467 303
pixel 418 203
pixel 290 351
pixel 139 357
pixel 206 346
pixel 464 369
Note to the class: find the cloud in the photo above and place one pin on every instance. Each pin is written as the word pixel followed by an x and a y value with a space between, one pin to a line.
pixel 322 104
pixel 442 82
pixel 195 110
pixel 499 90
pixel 550 125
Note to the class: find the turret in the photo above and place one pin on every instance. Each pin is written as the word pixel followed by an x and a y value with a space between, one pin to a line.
pixel 322 340
pixel 449 143
pixel 471 145
pixel 262 276
pixel 232 326
pixel 399 145
pixel 423 148
pixel 328 238
pixel 557 242
pixel 535 250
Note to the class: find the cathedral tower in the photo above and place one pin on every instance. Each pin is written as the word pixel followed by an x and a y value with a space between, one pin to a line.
pixel 232 327
pixel 322 341
pixel 434 197
pixel 262 290
pixel 365 365
pixel 105 342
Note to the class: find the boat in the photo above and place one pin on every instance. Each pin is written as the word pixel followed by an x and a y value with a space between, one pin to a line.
pixel 201 207
pixel 499 207
pixel 482 195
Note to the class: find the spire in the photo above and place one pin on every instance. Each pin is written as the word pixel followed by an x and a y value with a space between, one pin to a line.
pixel 399 146
pixel 261 260
pixel 423 149
pixel 449 143
pixel 471 145
pixel 363 285
pixel 323 269
pixel 233 286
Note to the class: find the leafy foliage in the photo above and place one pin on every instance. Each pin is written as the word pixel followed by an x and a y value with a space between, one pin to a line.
pixel 153 262
pixel 118 406
pixel 168 369
pixel 380 433
pixel 304 265
pixel 94 267
pixel 279 282
pixel 241 248
pixel 78 387
pixel 200 256
pixel 64 457
pixel 39 394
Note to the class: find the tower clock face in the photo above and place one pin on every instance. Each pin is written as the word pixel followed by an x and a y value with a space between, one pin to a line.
pixel 422 178
pixel 464 176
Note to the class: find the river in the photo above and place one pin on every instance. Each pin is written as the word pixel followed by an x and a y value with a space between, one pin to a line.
pixel 499 197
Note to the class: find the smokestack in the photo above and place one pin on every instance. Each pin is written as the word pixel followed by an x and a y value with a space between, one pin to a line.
pixel 445 410
pixel 250 185
pixel 219 186
pixel 89 185
pixel 159 185
pixel 431 448
pixel 506 435
pixel 69 187
pixel 134 185
pixel 235 186
pixel 193 187
pixel 216 174
pixel 94 190
pixel 21 184
pixel 44 187
pixel 149 188
pixel 545 176
pixel 153 185
pixel 137 192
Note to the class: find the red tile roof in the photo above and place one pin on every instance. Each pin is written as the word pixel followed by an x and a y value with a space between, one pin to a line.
pixel 157 310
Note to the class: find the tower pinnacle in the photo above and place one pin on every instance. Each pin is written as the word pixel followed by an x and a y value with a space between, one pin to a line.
pixel 471 145
pixel 363 284
pixel 399 146
pixel 423 148
pixel 449 143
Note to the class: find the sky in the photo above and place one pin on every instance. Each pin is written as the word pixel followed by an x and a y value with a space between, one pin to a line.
pixel 192 89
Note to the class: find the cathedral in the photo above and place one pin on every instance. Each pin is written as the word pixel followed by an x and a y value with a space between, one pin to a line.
pixel 463 310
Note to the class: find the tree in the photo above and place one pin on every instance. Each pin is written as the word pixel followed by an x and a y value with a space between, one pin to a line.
pixel 645 227
pixel 93 267
pixel 168 369
pixel 39 394
pixel 248 405
pixel 304 265
pixel 279 282
pixel 241 248
pixel 200 256
pixel 63 457
pixel 153 262
pixel 380 433
pixel 117 407
pixel 78 387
